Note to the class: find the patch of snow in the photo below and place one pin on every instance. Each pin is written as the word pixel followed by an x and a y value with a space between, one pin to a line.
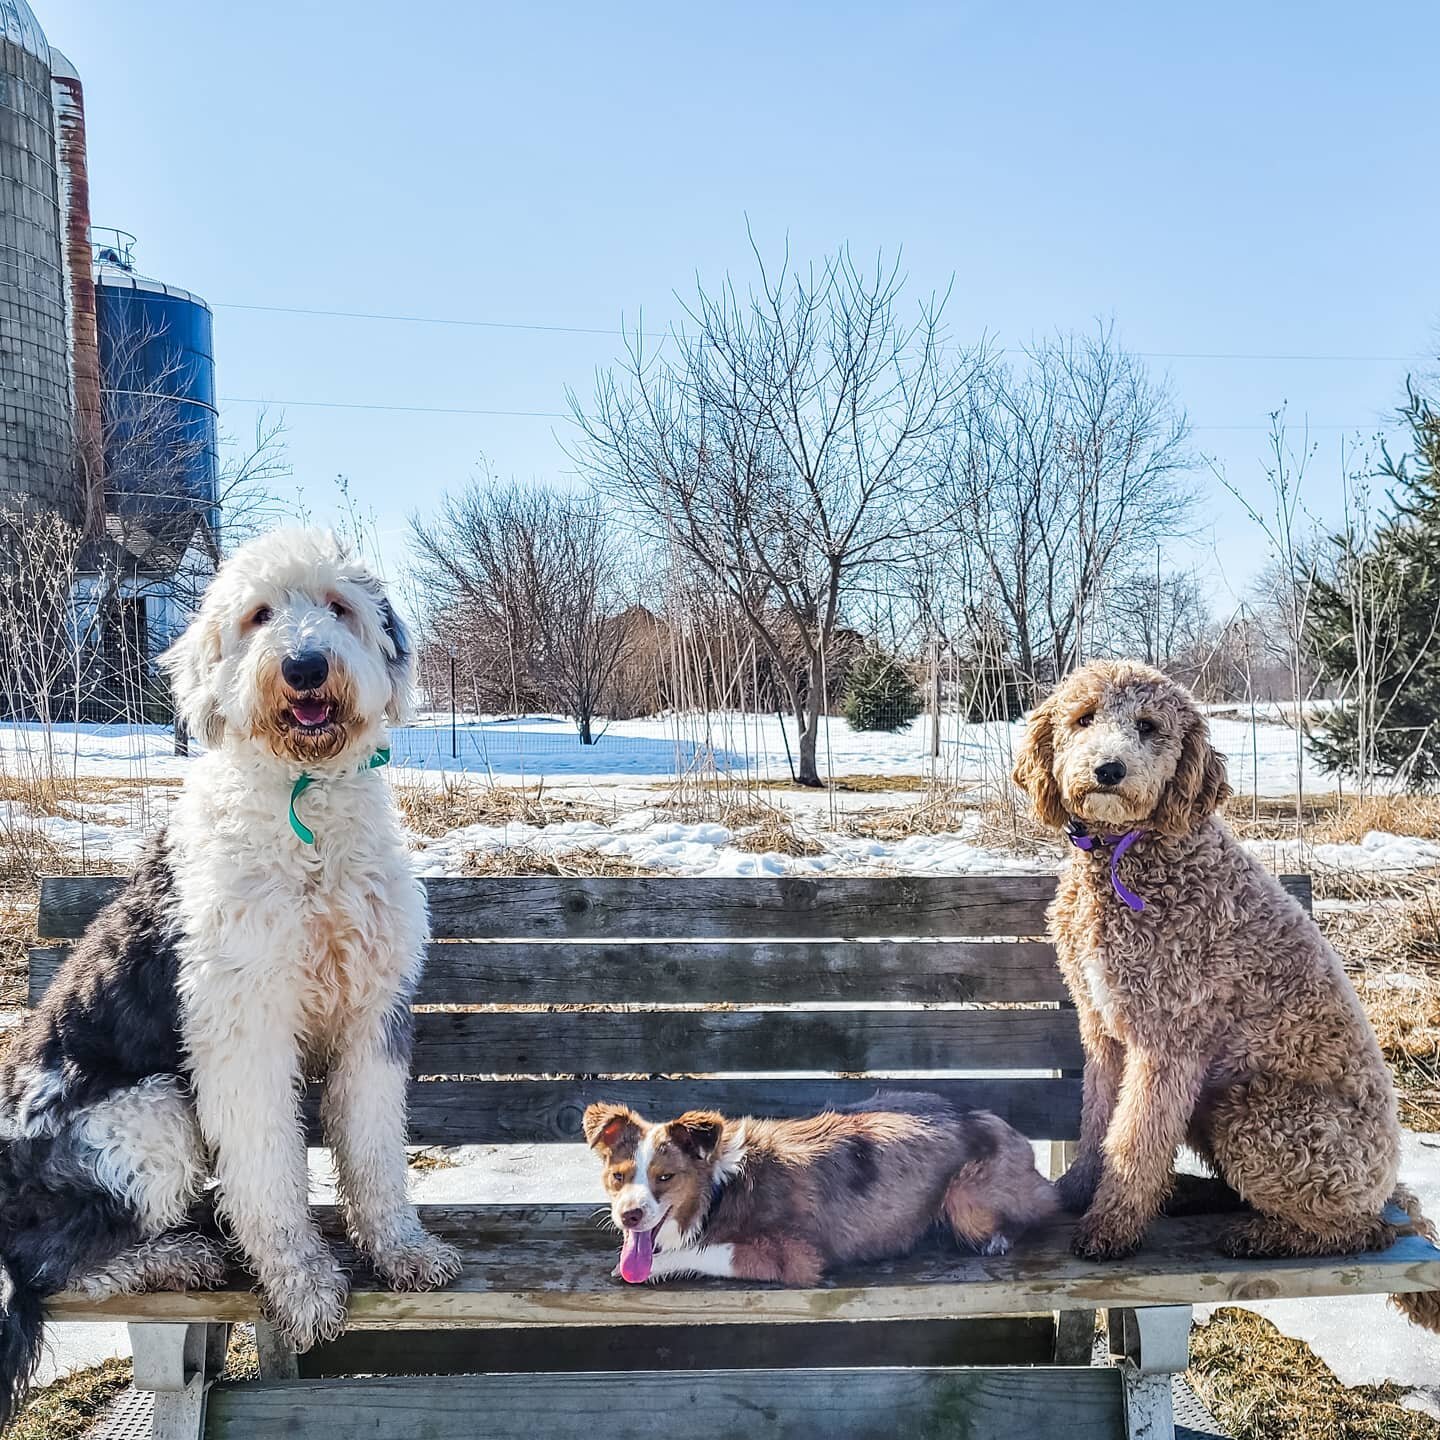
pixel 1377 851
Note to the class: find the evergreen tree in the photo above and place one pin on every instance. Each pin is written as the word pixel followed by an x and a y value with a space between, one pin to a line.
pixel 880 694
pixel 1375 624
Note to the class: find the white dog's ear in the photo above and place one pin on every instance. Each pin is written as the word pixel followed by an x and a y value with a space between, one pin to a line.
pixel 400 663
pixel 191 663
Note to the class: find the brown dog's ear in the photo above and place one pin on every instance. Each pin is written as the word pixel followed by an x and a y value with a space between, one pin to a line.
pixel 607 1124
pixel 1035 766
pixel 698 1132
pixel 1198 788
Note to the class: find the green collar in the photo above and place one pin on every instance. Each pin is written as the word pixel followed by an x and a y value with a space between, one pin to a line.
pixel 306 834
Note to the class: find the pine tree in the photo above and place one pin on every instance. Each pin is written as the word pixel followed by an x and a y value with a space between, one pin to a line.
pixel 880 694
pixel 1375 624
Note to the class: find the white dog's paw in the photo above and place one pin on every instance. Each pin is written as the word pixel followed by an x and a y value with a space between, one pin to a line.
pixel 305 1296
pixel 418 1262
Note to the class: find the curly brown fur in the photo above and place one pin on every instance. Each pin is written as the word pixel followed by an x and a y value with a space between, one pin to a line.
pixel 1219 1014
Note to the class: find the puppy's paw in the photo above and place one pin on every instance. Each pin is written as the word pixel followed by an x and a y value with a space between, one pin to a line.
pixel 418 1262
pixel 1105 1237
pixel 304 1296
pixel 1075 1189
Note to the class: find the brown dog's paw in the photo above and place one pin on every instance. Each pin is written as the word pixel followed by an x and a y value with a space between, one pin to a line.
pixel 1100 1237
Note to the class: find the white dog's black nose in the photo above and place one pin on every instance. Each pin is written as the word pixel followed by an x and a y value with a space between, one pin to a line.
pixel 1112 772
pixel 305 671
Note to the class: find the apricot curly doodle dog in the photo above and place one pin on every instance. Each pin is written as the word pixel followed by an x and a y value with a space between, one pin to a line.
pixel 1211 1008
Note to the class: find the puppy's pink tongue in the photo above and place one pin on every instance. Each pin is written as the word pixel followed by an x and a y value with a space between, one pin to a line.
pixel 637 1255
pixel 311 712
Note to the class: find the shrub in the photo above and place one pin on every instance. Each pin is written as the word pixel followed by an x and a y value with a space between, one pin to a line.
pixel 880 694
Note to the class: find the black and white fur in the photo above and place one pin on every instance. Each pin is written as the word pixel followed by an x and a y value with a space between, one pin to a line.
pixel 172 1047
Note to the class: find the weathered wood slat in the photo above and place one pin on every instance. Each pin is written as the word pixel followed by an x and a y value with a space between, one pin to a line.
pixel 550 1265
pixel 1002 1340
pixel 544 907
pixel 742 1041
pixel 825 1404
pixel 547 907
pixel 513 1112
pixel 566 973
pixel 745 908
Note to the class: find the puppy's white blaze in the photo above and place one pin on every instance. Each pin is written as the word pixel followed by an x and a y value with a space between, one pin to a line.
pixel 713 1260
pixel 146 1150
pixel 637 1195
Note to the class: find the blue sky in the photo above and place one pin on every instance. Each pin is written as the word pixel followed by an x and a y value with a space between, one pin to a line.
pixel 1221 179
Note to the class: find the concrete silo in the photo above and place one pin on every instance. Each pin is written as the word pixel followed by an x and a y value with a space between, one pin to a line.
pixel 36 400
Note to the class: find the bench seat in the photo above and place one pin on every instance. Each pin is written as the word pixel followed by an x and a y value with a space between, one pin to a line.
pixel 752 996
pixel 550 1265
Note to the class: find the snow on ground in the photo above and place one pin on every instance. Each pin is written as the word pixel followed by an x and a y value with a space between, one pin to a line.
pixel 711 849
pixel 1376 851
pixel 539 747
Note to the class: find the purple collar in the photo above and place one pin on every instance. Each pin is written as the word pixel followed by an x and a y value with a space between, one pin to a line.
pixel 1082 839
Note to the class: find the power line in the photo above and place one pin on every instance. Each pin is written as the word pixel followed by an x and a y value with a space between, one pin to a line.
pixel 403 409
pixel 470 324
pixel 565 415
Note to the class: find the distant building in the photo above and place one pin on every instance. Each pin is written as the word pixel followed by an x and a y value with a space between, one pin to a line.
pixel 107 411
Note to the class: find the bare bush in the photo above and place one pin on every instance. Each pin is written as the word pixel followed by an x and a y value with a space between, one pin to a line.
pixel 529 582
pixel 782 443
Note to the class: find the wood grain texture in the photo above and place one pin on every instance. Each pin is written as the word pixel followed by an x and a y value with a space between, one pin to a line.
pixel 550 1265
pixel 512 1112
pixel 916 1404
pixel 1000 1340
pixel 742 1041
pixel 545 907
pixel 565 973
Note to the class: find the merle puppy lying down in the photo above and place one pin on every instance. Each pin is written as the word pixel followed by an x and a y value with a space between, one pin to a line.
pixel 787 1199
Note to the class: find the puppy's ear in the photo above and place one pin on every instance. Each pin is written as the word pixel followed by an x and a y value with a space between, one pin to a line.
pixel 605 1126
pixel 1035 766
pixel 698 1132
pixel 190 664
pixel 1198 788
pixel 400 663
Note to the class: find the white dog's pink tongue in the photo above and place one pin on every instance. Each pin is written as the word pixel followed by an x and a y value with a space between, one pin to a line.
pixel 637 1256
pixel 311 712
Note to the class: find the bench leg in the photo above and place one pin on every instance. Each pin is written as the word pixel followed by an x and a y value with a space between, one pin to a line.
pixel 1150 1345
pixel 278 1360
pixel 176 1363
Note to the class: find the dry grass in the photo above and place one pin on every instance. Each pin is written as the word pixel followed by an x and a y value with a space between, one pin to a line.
pixel 856 784
pixel 1262 1385
pixel 68 1409
pixel 437 1157
pixel 432 809
pixel 526 860
pixel 943 809
pixel 777 834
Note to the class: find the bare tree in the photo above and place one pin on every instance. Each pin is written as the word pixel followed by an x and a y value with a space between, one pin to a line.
pixel 1068 472
pixel 531 579
pixel 782 441
pixel 1157 614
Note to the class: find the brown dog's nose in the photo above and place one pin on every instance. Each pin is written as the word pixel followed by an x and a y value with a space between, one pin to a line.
pixel 1112 772
pixel 631 1218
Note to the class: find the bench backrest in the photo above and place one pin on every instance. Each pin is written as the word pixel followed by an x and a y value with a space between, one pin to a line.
pixel 763 996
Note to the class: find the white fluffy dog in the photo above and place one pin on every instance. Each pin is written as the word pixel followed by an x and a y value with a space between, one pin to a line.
pixel 276 931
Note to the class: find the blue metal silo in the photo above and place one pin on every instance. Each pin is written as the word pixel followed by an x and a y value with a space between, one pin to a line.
pixel 157 369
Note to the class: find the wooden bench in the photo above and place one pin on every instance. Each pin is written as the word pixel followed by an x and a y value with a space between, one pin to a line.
pixel 780 996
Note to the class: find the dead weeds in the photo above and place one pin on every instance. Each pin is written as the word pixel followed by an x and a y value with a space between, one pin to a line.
pixel 1262 1385
pixel 433 809
pixel 527 860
